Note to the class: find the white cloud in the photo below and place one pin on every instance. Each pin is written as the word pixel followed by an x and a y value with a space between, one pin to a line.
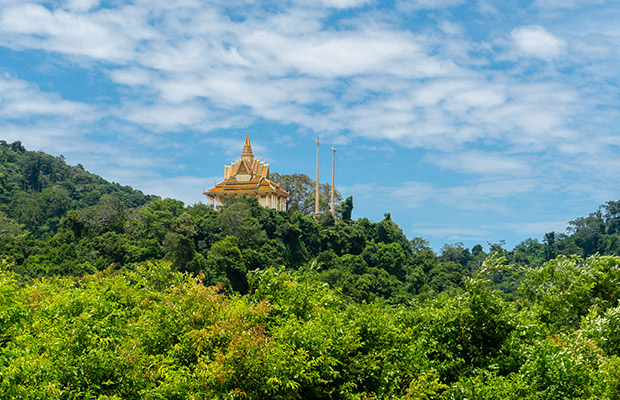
pixel 414 5
pixel 451 232
pixel 345 3
pixel 560 4
pixel 461 95
pixel 56 138
pixel 490 194
pixel 477 162
pixel 81 5
pixel 448 114
pixel 251 66
pixel 330 54
pixel 535 41
pixel 485 194
pixel 132 76
pixel 487 7
pixel 185 188
pixel 21 99
pixel 538 227
pixel 102 35
pixel 166 117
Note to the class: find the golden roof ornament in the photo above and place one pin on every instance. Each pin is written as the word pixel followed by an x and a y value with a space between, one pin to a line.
pixel 247 148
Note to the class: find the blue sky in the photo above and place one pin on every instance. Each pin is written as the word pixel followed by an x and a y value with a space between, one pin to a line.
pixel 468 121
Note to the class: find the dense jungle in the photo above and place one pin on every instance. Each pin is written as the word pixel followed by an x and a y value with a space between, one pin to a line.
pixel 108 293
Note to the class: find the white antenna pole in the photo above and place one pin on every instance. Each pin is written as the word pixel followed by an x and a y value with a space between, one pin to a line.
pixel 316 199
pixel 333 178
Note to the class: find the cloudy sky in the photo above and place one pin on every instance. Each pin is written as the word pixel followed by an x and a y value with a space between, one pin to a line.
pixel 468 121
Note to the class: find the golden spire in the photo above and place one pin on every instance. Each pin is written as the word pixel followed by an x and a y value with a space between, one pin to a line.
pixel 247 148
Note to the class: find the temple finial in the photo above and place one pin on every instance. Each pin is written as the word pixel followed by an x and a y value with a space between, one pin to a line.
pixel 247 148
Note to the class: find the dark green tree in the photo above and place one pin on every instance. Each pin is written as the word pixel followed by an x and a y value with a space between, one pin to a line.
pixel 236 219
pixel 346 209
pixel 158 215
pixel 587 232
pixel 225 265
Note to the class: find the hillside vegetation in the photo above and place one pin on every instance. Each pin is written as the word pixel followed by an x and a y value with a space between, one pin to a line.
pixel 108 293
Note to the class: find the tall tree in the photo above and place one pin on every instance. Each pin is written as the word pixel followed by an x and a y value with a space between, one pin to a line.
pixel 301 190
pixel 346 209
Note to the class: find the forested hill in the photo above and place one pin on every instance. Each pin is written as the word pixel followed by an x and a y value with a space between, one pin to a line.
pixel 60 219
pixel 107 293
pixel 37 190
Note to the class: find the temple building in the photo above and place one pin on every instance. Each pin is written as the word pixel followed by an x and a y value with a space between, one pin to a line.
pixel 248 176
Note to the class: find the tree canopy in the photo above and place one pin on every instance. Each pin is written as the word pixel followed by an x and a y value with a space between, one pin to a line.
pixel 108 293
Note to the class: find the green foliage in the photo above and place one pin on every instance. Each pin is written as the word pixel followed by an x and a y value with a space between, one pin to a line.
pixel 156 333
pixel 157 217
pixel 604 328
pixel 346 209
pixel 566 289
pixel 225 266
pixel 237 219
pixel 107 293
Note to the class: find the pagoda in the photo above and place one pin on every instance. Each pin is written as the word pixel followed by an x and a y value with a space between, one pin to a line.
pixel 248 176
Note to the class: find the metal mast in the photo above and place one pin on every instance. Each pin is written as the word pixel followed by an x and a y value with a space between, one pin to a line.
pixel 333 178
pixel 316 199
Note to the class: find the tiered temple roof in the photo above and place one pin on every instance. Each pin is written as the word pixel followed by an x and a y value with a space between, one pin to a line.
pixel 248 176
